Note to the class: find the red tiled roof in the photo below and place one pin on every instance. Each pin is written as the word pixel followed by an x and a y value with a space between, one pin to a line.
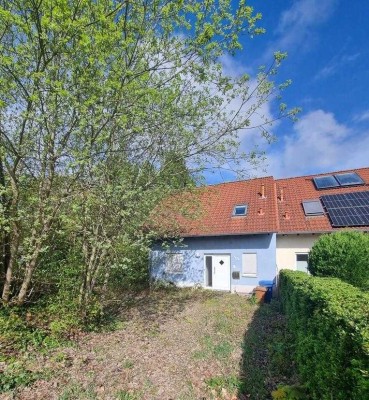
pixel 209 211
pixel 296 190
pixel 213 208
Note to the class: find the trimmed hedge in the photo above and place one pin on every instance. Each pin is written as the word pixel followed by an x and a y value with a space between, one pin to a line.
pixel 328 320
pixel 343 255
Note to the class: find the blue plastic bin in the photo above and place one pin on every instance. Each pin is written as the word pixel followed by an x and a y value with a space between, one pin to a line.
pixel 269 293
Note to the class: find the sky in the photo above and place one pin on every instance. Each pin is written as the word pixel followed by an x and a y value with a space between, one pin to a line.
pixel 327 42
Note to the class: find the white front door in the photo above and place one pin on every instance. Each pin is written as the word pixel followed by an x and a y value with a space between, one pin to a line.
pixel 218 271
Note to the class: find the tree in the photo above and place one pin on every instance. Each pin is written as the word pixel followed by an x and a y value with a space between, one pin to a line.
pixel 95 98
pixel 343 255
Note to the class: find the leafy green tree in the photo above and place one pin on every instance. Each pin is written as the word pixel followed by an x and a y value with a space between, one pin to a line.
pixel 95 98
pixel 343 255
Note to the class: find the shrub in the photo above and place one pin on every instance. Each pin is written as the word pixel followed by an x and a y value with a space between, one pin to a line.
pixel 328 321
pixel 343 255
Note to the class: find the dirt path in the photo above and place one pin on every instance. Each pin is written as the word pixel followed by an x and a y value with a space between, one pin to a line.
pixel 177 345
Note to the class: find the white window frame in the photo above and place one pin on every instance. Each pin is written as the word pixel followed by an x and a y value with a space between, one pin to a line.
pixel 237 206
pixel 247 260
pixel 299 254
pixel 174 263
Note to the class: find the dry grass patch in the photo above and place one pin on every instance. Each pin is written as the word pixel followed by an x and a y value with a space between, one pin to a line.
pixel 167 344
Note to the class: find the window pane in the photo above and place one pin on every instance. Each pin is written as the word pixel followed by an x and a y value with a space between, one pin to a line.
pixel 209 271
pixel 302 257
pixel 249 264
pixel 313 207
pixel 174 263
pixel 240 210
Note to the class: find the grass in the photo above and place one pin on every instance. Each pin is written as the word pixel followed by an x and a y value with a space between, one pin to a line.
pixel 124 395
pixel 228 384
pixel 127 364
pixel 76 391
pixel 267 359
pixel 170 343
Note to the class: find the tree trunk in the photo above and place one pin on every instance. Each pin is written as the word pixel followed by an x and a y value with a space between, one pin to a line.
pixel 6 237
pixel 28 276
pixel 11 264
pixel 15 239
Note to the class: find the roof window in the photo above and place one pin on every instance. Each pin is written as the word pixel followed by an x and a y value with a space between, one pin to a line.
pixel 312 208
pixel 240 210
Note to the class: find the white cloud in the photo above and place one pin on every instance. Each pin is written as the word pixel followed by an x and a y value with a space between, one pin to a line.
pixel 338 61
pixel 296 24
pixel 319 143
pixel 251 136
pixel 364 116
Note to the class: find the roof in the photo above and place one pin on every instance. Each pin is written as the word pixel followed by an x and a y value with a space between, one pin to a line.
pixel 274 206
pixel 296 190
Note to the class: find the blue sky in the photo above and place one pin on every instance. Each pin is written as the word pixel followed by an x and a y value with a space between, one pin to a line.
pixel 327 42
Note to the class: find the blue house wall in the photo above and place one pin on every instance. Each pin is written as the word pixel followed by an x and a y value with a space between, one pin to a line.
pixel 195 249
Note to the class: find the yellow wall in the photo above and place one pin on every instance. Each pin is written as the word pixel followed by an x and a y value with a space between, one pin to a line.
pixel 289 245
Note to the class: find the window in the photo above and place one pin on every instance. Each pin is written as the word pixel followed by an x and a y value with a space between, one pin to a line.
pixel 302 261
pixel 313 207
pixel 174 263
pixel 240 210
pixel 249 264
pixel 209 271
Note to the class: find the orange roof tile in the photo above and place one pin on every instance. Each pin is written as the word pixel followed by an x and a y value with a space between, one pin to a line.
pixel 213 210
pixel 208 210
pixel 296 190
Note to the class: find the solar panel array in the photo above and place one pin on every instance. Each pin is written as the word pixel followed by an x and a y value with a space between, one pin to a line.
pixel 347 209
pixel 337 180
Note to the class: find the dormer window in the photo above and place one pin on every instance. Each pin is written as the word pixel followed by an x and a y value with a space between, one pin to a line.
pixel 240 210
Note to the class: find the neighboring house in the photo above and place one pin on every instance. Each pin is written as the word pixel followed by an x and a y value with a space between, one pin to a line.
pixel 247 231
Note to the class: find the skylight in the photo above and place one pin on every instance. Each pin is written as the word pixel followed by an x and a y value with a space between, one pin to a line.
pixel 312 208
pixel 239 210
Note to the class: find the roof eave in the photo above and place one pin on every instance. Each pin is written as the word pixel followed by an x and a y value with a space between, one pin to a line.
pixel 227 234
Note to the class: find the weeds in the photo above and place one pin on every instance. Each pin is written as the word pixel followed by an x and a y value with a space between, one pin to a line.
pixel 124 395
pixel 75 391
pixel 267 355
pixel 127 364
pixel 231 384
pixel 16 375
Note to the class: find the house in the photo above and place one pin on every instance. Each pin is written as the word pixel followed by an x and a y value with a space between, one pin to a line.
pixel 244 232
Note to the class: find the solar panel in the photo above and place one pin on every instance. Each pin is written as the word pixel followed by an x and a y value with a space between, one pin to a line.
pixel 312 207
pixel 347 209
pixel 349 179
pixel 325 182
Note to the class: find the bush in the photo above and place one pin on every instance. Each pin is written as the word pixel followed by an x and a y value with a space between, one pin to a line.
pixel 343 255
pixel 328 320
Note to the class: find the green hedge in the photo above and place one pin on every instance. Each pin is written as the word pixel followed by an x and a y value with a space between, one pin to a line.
pixel 328 320
pixel 343 255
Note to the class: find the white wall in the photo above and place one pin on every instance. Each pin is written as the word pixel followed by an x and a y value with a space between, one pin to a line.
pixel 289 245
